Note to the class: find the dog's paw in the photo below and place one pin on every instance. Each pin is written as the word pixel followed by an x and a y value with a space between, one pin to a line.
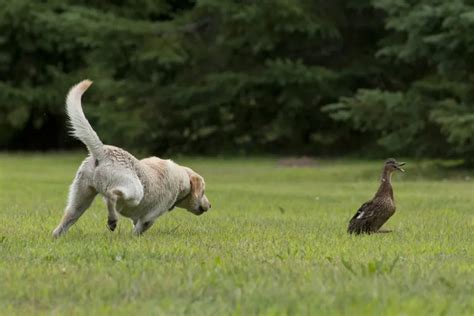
pixel 112 224
pixel 58 231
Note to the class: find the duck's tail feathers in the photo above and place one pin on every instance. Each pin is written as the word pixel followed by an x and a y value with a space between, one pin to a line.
pixel 358 227
pixel 80 126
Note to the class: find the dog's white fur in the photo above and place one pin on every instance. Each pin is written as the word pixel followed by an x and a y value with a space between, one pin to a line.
pixel 141 190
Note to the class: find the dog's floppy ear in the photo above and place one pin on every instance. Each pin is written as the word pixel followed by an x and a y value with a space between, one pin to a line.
pixel 197 185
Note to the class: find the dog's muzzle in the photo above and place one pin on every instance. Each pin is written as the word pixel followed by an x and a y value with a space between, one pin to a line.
pixel 203 210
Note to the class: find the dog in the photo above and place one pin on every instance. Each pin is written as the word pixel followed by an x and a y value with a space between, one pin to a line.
pixel 141 190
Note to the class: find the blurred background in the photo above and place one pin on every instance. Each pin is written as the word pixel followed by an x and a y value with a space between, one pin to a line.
pixel 207 77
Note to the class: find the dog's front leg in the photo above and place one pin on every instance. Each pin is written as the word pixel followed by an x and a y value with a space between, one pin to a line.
pixel 142 226
pixel 145 222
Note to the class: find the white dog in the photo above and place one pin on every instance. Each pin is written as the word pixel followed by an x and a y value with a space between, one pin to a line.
pixel 139 189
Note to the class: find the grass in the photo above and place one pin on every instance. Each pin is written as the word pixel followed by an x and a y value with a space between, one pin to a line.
pixel 273 243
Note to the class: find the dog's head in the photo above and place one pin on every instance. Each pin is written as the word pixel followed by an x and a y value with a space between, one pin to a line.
pixel 196 202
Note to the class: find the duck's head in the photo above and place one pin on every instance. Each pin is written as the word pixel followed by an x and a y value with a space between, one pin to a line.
pixel 392 165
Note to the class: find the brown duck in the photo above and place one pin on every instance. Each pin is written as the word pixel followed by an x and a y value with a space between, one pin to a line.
pixel 374 213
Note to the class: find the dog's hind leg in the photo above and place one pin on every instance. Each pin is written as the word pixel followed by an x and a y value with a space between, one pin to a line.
pixel 112 197
pixel 80 198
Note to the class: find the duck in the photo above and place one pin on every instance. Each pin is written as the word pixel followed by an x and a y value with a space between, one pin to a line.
pixel 374 213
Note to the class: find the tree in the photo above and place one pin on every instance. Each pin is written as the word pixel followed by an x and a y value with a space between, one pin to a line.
pixel 426 105
pixel 215 76
pixel 251 76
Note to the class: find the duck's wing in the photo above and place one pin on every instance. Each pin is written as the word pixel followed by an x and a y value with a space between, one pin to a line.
pixel 360 222
pixel 364 212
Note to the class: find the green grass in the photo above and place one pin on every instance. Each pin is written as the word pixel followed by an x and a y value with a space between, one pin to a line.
pixel 274 243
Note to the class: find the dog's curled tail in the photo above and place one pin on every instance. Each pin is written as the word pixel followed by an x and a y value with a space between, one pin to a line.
pixel 80 126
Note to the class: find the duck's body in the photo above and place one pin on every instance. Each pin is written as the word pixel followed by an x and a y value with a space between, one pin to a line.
pixel 374 213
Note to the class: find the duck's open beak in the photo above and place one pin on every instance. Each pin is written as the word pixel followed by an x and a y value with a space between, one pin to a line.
pixel 399 166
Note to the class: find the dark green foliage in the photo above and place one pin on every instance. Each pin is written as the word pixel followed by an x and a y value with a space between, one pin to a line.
pixel 426 104
pixel 241 77
pixel 215 76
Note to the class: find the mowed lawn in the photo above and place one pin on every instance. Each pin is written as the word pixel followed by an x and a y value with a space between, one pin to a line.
pixel 274 243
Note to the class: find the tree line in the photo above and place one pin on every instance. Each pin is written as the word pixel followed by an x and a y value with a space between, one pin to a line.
pixel 373 77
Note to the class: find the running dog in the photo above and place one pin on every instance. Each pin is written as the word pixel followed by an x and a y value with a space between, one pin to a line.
pixel 141 190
